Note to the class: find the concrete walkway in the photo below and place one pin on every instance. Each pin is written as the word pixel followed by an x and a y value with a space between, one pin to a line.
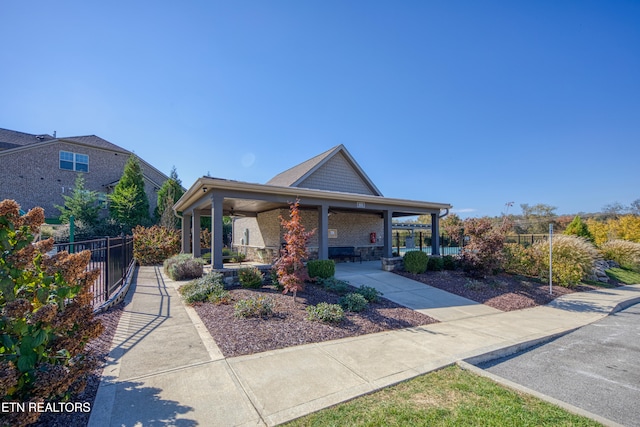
pixel 164 368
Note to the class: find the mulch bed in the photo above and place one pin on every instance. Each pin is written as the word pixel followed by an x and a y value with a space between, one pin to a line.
pixel 503 291
pixel 289 326
pixel 100 348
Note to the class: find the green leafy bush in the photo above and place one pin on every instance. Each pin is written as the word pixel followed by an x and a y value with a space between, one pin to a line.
pixel 250 277
pixel 200 289
pixel 353 302
pixel 369 293
pixel 573 259
pixel 259 306
pixel 625 253
pixel 183 267
pixel 46 316
pixel 322 268
pixel 449 262
pixel 273 274
pixel 325 312
pixel 153 245
pixel 520 259
pixel 416 262
pixel 238 257
pixel 335 286
pixel 435 263
pixel 578 228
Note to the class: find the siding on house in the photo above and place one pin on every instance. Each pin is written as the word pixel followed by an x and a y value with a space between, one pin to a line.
pixel 337 175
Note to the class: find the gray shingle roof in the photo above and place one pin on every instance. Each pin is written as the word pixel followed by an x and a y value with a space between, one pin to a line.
pixel 12 139
pixel 94 141
pixel 294 174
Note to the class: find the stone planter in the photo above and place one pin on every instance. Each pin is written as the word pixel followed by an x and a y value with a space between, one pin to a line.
pixel 391 264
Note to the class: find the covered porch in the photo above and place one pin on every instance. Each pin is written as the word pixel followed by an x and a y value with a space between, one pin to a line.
pixel 215 198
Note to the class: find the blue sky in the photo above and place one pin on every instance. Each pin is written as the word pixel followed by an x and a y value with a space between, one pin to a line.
pixel 473 103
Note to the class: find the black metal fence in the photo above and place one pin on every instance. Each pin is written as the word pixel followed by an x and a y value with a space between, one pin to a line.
pixel 113 256
pixel 402 241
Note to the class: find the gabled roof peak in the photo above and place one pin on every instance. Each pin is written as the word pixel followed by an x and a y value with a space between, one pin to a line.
pixel 334 169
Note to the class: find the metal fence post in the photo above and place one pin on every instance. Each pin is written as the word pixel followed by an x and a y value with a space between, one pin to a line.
pixel 124 258
pixel 107 263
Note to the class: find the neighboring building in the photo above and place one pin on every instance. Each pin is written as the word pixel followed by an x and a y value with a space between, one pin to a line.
pixel 36 170
pixel 336 198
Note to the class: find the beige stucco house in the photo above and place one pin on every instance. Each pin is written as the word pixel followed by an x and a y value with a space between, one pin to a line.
pixel 336 198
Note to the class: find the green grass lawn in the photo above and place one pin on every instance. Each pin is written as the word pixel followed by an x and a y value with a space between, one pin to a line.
pixel 448 397
pixel 623 275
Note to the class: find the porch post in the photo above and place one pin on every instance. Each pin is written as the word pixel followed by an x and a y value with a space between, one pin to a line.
pixel 435 234
pixel 216 230
pixel 323 232
pixel 186 233
pixel 195 234
pixel 387 250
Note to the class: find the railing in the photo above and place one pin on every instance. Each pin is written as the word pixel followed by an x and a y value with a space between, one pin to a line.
pixel 113 256
pixel 422 242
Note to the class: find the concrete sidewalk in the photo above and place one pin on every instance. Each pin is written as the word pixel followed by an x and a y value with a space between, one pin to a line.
pixel 164 368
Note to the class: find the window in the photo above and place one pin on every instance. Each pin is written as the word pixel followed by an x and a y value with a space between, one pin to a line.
pixel 74 161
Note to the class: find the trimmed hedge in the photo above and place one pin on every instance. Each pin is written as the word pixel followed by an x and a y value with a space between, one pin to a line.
pixel 416 262
pixel 322 268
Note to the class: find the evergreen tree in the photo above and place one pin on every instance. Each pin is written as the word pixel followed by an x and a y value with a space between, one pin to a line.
pixel 578 228
pixel 129 204
pixel 169 193
pixel 83 204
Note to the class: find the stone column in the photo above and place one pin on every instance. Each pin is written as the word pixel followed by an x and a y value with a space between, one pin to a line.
pixel 195 234
pixel 387 250
pixel 186 234
pixel 323 232
pixel 216 230
pixel 435 234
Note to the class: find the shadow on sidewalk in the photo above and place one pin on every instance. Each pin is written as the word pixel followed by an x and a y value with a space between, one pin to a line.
pixel 147 307
pixel 140 405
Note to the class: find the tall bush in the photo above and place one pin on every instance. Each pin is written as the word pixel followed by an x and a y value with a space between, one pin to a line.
pixel 625 253
pixel 484 254
pixel 153 245
pixel 573 259
pixel 578 228
pixel 46 316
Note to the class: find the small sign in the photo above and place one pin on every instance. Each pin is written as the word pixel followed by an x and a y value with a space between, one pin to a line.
pixel 360 204
pixel 333 233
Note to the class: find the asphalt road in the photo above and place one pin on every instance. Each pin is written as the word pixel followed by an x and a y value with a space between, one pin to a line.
pixel 596 368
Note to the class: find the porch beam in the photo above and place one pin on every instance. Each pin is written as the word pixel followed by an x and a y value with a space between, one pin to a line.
pixel 435 234
pixel 195 235
pixel 186 234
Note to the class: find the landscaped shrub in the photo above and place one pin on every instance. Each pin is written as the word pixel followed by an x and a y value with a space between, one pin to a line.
pixel 520 260
pixel 449 262
pixel 153 245
pixel 325 312
pixel 46 316
pixel 435 263
pixel 578 228
pixel 322 268
pixel 353 302
pixel 416 262
pixel 183 267
pixel 483 255
pixel 259 306
pixel 573 259
pixel 333 285
pixel 625 253
pixel 273 274
pixel 250 277
pixel 369 293
pixel 200 289
pixel 238 257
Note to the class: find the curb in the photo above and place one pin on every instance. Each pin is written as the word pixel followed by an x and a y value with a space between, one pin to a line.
pixel 121 293
pixel 520 388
